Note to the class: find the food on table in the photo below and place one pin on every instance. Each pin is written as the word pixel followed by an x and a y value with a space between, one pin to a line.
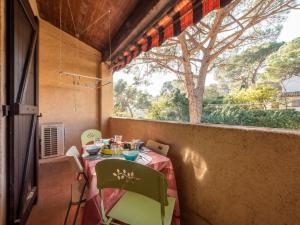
pixel 108 151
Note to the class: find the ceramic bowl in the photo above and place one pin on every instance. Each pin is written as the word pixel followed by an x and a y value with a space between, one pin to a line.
pixel 92 149
pixel 130 155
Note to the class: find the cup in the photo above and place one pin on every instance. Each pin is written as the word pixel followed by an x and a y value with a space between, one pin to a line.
pixel 98 141
pixel 118 139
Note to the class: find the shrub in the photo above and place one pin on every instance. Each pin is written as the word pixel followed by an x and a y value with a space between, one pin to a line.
pixel 235 115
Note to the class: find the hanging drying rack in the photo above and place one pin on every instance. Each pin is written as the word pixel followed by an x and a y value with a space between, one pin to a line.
pixel 78 79
pixel 98 82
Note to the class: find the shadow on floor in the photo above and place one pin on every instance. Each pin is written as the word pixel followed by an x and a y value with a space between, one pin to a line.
pixel 55 178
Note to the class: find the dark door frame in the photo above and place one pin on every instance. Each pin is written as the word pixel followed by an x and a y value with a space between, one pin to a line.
pixel 22 188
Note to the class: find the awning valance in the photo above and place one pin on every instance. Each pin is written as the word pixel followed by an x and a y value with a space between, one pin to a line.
pixel 182 15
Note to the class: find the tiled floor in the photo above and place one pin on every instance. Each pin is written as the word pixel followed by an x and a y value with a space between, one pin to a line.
pixel 55 178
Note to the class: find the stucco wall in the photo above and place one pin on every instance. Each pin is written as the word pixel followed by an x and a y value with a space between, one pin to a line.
pixel 2 119
pixel 106 99
pixel 226 175
pixel 60 100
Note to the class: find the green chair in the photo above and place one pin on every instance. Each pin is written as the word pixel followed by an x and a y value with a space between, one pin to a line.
pixel 145 202
pixel 89 136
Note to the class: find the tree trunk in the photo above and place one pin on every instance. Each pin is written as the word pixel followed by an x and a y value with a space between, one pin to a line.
pixel 193 97
pixel 284 96
pixel 196 95
pixel 254 74
pixel 196 92
pixel 130 111
pixel 201 86
pixel 194 109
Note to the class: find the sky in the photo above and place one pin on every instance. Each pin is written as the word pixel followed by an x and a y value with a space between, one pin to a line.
pixel 290 31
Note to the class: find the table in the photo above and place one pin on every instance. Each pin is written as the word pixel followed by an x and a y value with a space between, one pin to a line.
pixel 92 213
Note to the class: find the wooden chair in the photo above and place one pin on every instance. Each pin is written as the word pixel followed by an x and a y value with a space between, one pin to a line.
pixel 78 187
pixel 89 136
pixel 158 147
pixel 145 202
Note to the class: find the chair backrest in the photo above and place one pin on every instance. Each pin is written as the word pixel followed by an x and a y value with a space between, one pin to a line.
pixel 74 153
pixel 89 136
pixel 134 177
pixel 158 147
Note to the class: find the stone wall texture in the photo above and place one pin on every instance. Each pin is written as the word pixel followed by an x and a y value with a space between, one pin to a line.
pixel 228 175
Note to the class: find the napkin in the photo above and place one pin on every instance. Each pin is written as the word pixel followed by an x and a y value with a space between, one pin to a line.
pixel 145 157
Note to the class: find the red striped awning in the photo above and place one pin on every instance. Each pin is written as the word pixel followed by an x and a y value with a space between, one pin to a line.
pixel 182 15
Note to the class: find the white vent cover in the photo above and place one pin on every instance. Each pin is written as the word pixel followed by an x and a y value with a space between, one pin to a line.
pixel 52 140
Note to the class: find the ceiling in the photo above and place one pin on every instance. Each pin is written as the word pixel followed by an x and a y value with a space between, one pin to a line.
pixel 91 18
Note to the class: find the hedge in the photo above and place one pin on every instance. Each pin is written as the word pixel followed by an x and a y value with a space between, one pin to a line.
pixel 234 115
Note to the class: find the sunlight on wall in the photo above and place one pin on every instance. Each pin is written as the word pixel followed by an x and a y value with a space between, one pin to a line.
pixel 198 163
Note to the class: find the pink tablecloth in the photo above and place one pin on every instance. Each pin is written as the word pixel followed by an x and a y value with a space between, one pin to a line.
pixel 92 214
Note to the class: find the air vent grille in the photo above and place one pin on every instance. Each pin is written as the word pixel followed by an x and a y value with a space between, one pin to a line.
pixel 52 136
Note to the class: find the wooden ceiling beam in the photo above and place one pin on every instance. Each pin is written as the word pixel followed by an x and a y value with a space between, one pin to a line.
pixel 145 15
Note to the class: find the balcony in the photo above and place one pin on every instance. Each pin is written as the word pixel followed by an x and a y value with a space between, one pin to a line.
pixel 226 175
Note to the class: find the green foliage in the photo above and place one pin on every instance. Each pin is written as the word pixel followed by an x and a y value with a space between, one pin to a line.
pixel 243 70
pixel 213 94
pixel 128 99
pixel 161 109
pixel 171 105
pixel 235 115
pixel 215 101
pixel 284 63
pixel 221 34
pixel 212 91
pixel 255 96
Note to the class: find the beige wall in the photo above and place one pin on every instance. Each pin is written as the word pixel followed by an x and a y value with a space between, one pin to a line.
pixel 60 100
pixel 2 119
pixel 106 99
pixel 226 175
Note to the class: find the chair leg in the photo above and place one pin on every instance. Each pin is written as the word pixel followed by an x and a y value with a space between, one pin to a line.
pixel 76 214
pixel 79 203
pixel 109 222
pixel 68 211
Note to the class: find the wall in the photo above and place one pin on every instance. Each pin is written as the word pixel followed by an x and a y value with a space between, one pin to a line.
pixel 106 99
pixel 60 100
pixel 2 119
pixel 228 175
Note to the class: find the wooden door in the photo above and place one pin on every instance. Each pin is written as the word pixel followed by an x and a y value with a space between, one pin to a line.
pixel 22 110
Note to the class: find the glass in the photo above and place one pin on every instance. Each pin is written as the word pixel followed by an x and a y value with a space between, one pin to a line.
pixel 118 139
pixel 97 141
pixel 114 149
pixel 135 144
